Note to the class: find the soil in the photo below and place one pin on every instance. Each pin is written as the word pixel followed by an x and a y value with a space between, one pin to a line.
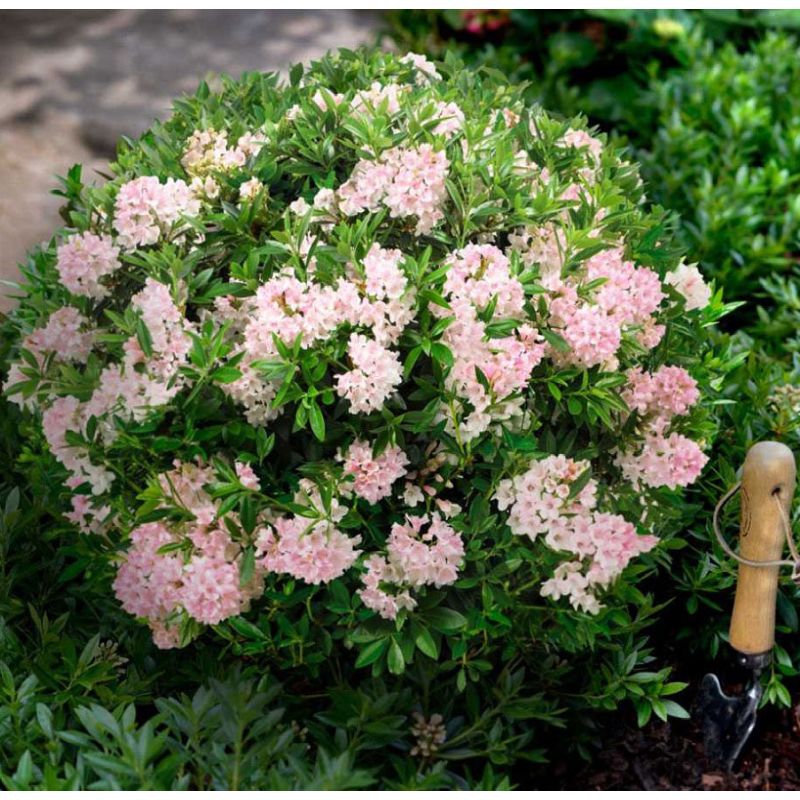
pixel 669 756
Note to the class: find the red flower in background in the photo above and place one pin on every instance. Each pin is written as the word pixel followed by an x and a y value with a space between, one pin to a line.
pixel 478 21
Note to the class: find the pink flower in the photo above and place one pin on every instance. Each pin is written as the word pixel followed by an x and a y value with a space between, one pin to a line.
pixel 410 182
pixel 581 139
pixel 423 551
pixel 146 209
pixel 373 477
pixel 670 461
pixel 247 476
pixel 83 260
pixel 207 151
pixel 65 335
pixel 375 375
pixel 313 552
pixel 426 69
pixel 669 392
pixel 210 590
pixel 688 281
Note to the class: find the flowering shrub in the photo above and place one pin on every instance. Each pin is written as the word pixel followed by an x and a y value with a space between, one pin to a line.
pixel 380 357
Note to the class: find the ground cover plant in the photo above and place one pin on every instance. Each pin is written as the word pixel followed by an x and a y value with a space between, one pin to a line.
pixel 377 378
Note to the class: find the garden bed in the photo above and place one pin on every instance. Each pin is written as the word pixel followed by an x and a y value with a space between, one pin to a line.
pixel 670 755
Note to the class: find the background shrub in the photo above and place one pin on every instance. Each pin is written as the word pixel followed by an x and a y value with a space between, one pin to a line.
pixel 602 63
pixel 727 158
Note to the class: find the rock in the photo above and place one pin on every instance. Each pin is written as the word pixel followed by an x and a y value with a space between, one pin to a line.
pixel 72 83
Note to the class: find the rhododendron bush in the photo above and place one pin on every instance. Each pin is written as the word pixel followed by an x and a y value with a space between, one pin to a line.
pixel 377 358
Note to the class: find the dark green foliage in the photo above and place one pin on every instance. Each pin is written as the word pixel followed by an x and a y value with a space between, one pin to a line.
pixel 727 158
pixel 602 63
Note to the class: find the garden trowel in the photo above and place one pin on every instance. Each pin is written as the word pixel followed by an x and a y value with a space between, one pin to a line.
pixel 767 487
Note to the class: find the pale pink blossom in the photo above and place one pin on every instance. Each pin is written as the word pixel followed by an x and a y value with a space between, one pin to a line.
pixel 373 476
pixel 375 376
pixel 410 182
pixel 659 460
pixel 66 334
pixel 422 551
pixel 83 260
pixel 688 281
pixel 145 209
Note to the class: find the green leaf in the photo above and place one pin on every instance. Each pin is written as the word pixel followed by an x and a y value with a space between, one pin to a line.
pixel 24 773
pixel 246 628
pixel 556 340
pixel 442 354
pixel 411 359
pixel 574 406
pixel 427 644
pixel 44 716
pixel 674 709
pixel 372 652
pixel 395 660
pixel 144 338
pixel 226 375
pixel 579 484
pixel 317 421
pixel 445 620
pixel 248 567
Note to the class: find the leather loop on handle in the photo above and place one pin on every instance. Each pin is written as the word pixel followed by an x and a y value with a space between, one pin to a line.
pixel 769 473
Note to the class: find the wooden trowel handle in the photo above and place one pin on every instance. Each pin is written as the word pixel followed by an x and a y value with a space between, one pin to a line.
pixel 769 472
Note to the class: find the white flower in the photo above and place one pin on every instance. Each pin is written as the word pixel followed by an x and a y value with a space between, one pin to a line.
pixel 688 280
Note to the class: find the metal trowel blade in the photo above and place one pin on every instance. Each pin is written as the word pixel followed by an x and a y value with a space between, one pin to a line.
pixel 727 721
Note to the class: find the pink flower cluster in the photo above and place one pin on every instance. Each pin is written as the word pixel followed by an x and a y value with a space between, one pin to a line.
pixel 410 182
pixel 69 414
pixel 373 476
pixel 425 551
pixel 375 376
pixel 378 96
pixel 146 209
pixel 66 335
pixel 486 371
pixel 659 460
pixel 688 281
pixel 374 295
pixel 83 260
pixel 539 500
pixel 144 381
pixel 85 516
pixel 388 304
pixel 128 389
pixel 426 69
pixel 168 329
pixel 451 119
pixel 666 393
pixel 312 552
pixel 287 307
pixel 581 140
pixel 593 328
pixel 207 152
pixel 542 245
pixel 311 549
pixel 540 504
pixel 200 579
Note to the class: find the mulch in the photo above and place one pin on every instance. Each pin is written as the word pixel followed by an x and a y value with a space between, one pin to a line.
pixel 669 756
